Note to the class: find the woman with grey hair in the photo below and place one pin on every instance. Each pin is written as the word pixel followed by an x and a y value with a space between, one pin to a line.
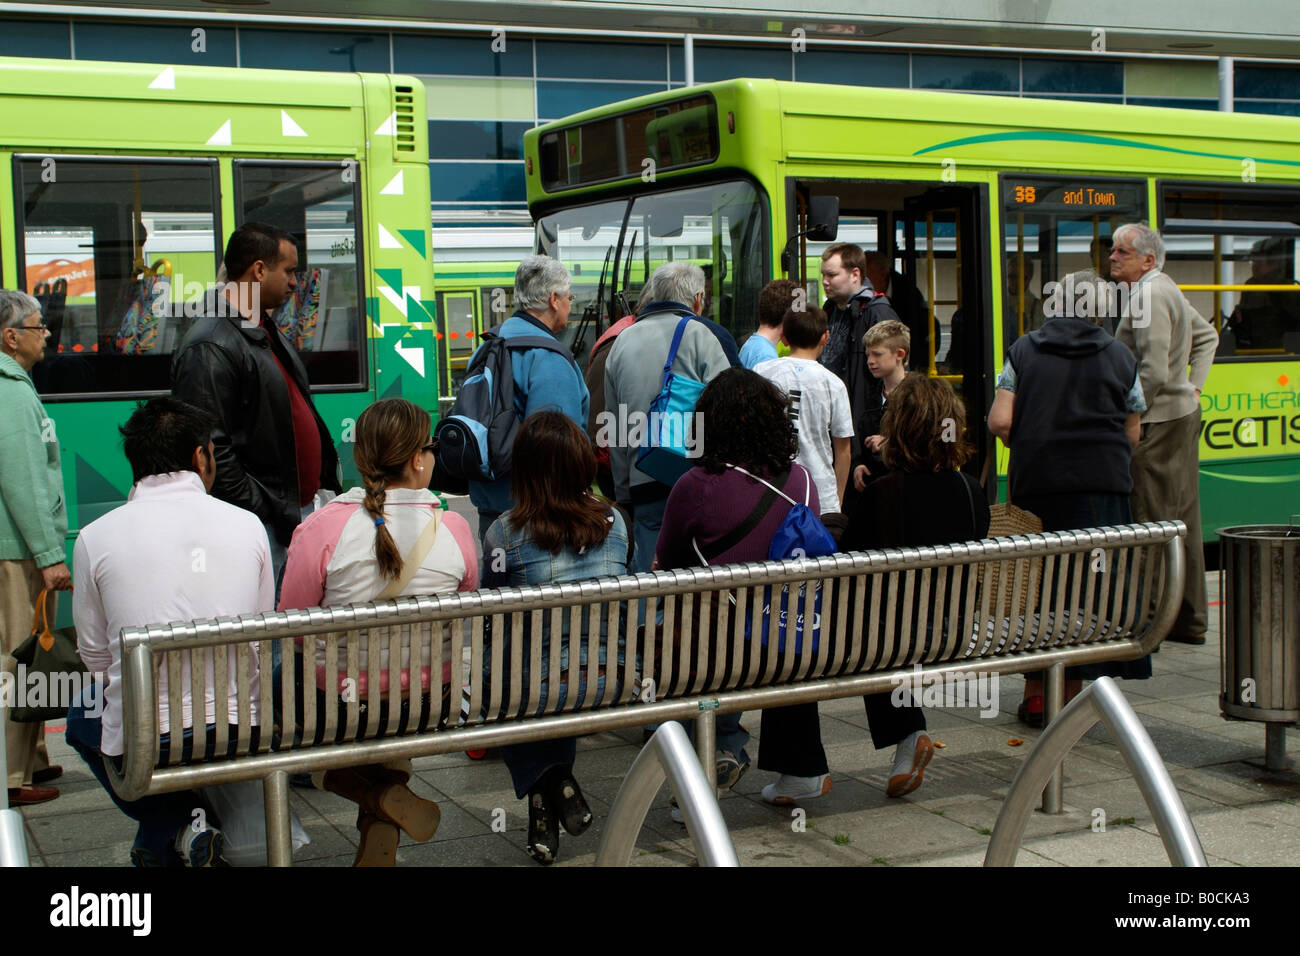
pixel 33 525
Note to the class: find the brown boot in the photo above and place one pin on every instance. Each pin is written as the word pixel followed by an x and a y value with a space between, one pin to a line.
pixel 374 789
pixel 378 843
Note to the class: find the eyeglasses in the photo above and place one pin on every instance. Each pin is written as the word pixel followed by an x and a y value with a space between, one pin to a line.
pixel 432 446
pixel 32 328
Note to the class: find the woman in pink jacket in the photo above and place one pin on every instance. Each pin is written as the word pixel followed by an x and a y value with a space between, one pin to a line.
pixel 389 537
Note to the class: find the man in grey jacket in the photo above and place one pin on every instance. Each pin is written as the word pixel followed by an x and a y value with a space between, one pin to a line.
pixel 1166 334
pixel 33 525
pixel 633 377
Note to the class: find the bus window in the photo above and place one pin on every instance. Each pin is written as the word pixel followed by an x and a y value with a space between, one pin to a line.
pixel 586 240
pixel 1058 227
pixel 1236 246
pixel 317 204
pixel 459 335
pixel 113 249
pixel 720 229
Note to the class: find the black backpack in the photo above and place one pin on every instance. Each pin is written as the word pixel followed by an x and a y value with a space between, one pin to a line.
pixel 477 435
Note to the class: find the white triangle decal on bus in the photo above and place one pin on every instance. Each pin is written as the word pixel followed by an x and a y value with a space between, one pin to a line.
pixel 166 80
pixel 222 136
pixel 399 301
pixel 389 126
pixel 395 187
pixel 288 127
pixel 387 240
pixel 414 356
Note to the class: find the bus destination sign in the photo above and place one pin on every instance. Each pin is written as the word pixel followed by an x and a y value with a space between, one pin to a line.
pixel 1071 195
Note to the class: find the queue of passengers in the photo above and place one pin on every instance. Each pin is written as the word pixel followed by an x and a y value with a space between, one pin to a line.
pixel 838 425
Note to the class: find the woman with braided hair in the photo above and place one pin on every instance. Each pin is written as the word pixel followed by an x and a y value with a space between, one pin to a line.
pixel 388 538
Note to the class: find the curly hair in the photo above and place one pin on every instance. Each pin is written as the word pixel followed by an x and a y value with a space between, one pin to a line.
pixel 746 422
pixel 924 426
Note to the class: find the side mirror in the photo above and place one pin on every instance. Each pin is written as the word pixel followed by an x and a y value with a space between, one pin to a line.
pixel 823 218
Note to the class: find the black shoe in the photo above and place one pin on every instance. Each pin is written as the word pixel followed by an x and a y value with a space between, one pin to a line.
pixel 543 828
pixel 566 797
pixel 1187 638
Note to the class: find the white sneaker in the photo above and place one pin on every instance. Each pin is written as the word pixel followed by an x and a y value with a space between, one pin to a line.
pixel 789 790
pixel 202 847
pixel 913 753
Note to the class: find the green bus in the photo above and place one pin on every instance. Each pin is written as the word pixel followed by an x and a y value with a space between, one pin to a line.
pixel 119 186
pixel 978 201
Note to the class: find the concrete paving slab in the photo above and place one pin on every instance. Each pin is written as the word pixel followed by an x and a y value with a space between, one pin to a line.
pixel 1250 836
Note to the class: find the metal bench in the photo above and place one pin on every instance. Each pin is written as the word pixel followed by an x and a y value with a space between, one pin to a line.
pixel 1006 605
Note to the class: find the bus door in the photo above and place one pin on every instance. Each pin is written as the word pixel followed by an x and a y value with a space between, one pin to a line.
pixel 945 258
pixel 459 325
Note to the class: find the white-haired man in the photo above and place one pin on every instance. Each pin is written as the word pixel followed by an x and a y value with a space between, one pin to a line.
pixel 1166 334
pixel 544 378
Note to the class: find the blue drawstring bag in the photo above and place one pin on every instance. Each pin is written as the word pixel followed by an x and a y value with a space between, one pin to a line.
pixel 801 534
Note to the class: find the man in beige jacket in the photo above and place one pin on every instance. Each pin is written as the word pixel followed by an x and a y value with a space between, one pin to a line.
pixel 1166 334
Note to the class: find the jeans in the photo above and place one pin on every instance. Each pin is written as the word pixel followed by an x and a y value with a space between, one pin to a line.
pixel 646 521
pixel 161 816
pixel 279 557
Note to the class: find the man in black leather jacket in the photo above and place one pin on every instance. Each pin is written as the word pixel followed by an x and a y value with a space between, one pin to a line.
pixel 273 451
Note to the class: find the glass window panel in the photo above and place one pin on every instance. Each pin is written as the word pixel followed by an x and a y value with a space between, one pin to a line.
pixel 939 72
pixel 1251 233
pixel 115 251
pixel 1266 82
pixel 1274 108
pixel 858 69
pixel 313 50
pixel 728 62
pixel 680 133
pixel 1072 76
pixel 151 43
pixel 1076 98
pixel 450 139
pixel 720 229
pixel 477 182
pixel 471 55
pixel 1055 227
pixel 556 100
pixel 1173 102
pixel 603 61
pixel 318 207
pixel 586 239
pixel 49 38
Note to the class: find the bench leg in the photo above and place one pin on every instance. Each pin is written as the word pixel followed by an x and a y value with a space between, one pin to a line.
pixel 706 745
pixel 279 840
pixel 1053 701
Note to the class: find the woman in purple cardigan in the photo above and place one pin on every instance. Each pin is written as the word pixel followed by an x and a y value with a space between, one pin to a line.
pixel 749 447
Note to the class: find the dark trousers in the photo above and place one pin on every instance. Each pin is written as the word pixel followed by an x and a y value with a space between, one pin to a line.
pixel 790 739
pixel 527 763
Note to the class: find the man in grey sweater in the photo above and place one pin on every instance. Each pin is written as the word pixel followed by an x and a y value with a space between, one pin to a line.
pixel 633 377
pixel 1166 334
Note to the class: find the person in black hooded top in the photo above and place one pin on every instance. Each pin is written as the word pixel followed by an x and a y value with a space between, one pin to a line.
pixel 1069 404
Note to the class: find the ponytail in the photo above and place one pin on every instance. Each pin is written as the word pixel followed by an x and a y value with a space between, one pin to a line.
pixel 386 553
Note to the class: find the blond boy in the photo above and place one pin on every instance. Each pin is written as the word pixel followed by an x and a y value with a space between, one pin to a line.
pixel 887 345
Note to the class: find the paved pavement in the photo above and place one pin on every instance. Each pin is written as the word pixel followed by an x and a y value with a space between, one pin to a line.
pixel 1245 816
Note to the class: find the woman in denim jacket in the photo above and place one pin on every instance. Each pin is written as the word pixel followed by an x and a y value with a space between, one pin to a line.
pixel 557 531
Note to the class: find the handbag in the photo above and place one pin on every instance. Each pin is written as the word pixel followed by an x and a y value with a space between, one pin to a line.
pixel 52 654
pixel 671 445
pixel 1005 520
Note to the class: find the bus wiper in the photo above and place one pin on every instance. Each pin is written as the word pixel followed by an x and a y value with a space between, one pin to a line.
pixel 591 312
pixel 625 307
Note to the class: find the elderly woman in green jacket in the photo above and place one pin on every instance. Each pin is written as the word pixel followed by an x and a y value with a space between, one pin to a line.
pixel 33 524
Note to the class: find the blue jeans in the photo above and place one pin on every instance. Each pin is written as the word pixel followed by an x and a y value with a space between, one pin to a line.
pixel 528 762
pixel 161 816
pixel 646 521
